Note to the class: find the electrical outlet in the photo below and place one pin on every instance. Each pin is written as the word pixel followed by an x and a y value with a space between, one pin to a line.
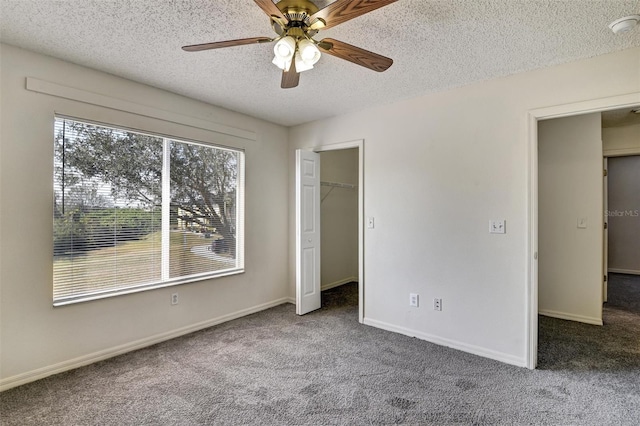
pixel 174 299
pixel 413 300
pixel 497 226
pixel 437 304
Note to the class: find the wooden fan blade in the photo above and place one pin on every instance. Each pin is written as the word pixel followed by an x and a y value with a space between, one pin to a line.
pixel 270 9
pixel 343 10
pixel 354 54
pixel 290 78
pixel 228 43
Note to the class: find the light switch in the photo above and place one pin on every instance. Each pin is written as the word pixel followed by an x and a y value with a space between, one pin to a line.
pixel 497 226
pixel 370 223
pixel 582 222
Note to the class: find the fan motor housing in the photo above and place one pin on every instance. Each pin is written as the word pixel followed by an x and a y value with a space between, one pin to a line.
pixel 297 10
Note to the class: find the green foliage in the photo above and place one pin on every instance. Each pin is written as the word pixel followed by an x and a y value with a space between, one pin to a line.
pixel 131 163
pixel 203 182
pixel 129 167
pixel 79 230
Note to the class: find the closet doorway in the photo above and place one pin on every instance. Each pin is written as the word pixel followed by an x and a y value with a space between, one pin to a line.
pixel 341 217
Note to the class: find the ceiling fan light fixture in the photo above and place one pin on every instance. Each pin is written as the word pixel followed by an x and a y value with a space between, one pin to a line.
pixel 284 51
pixel 309 51
pixel 285 48
pixel 281 63
pixel 301 64
pixel 296 22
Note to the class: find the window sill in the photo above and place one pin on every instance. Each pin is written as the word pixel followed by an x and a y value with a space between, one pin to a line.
pixel 113 293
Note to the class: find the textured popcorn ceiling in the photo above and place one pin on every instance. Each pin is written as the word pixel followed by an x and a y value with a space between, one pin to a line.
pixel 435 45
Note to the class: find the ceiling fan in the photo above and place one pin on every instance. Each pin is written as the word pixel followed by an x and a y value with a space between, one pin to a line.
pixel 296 22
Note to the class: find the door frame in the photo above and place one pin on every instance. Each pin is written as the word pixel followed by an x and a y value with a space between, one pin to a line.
pixel 359 143
pixel 605 231
pixel 613 153
pixel 535 115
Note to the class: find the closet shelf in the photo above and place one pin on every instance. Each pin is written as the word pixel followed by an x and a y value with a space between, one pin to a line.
pixel 339 185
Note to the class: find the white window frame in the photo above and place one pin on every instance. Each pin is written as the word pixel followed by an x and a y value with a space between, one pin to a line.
pixel 166 200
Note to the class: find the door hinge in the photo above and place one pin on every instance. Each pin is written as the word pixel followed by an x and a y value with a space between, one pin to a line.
pixel 605 278
pixel 605 172
pixel 605 225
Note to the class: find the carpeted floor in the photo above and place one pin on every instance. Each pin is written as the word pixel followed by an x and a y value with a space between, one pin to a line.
pixel 275 368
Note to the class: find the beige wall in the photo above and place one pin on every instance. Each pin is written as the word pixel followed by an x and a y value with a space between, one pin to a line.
pixel 621 140
pixel 38 339
pixel 437 168
pixel 570 188
pixel 624 214
pixel 339 218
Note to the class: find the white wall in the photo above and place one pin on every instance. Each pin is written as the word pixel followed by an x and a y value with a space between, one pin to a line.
pixel 624 214
pixel 339 218
pixel 621 140
pixel 437 168
pixel 36 338
pixel 570 189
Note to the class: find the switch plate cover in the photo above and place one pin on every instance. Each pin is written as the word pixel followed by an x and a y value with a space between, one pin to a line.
pixel 413 300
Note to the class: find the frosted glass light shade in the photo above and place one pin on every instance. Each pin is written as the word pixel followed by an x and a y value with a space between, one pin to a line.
pixel 282 64
pixel 301 64
pixel 284 50
pixel 308 52
pixel 306 55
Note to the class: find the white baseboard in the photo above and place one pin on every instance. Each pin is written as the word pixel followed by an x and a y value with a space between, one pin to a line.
pixel 291 300
pixel 624 271
pixel 570 317
pixel 71 364
pixel 338 283
pixel 472 349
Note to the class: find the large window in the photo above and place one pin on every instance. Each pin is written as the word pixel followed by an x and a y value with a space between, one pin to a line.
pixel 134 211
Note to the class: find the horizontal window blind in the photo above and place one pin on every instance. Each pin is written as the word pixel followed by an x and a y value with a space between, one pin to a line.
pixel 134 211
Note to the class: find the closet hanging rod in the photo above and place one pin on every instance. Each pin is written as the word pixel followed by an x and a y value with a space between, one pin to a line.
pixel 339 185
